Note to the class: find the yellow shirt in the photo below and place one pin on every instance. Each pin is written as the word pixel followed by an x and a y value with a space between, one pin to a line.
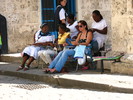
pixel 62 37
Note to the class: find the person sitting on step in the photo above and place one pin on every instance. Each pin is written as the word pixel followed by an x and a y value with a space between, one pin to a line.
pixel 63 34
pixel 41 38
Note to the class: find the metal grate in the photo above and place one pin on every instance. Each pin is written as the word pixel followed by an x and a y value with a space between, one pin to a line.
pixel 31 86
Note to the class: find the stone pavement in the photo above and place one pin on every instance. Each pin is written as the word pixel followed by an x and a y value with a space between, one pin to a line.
pixel 23 89
pixel 82 79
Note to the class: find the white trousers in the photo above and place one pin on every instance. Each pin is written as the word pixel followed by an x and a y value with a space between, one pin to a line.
pixel 45 55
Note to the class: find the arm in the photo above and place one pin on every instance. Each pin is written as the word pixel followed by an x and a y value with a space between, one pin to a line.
pixel 34 38
pixel 77 27
pixel 103 31
pixel 63 21
pixel 55 43
pixel 44 44
pixel 89 39
pixel 62 16
pixel 76 41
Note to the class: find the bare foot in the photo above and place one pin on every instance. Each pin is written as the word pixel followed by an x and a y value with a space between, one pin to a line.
pixel 52 70
pixel 19 68
pixel 46 70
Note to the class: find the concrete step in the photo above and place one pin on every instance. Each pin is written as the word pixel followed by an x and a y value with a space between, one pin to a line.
pixel 82 79
pixel 17 58
pixel 122 68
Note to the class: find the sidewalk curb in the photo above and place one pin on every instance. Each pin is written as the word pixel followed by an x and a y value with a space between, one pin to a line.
pixel 67 83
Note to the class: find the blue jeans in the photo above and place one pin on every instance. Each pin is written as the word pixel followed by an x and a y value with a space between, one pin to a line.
pixel 94 45
pixel 60 60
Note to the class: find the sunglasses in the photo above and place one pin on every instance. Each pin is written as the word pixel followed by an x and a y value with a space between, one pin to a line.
pixel 80 26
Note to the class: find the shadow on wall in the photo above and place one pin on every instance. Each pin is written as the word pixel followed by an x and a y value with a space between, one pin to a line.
pixel 3 31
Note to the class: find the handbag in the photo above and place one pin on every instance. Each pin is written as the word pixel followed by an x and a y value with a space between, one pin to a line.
pixel 82 61
pixel 79 51
pixel 80 54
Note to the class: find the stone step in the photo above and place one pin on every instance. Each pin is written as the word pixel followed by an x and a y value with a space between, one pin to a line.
pixel 122 68
pixel 17 58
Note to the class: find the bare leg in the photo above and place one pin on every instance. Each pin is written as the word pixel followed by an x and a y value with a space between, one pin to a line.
pixel 31 59
pixel 25 58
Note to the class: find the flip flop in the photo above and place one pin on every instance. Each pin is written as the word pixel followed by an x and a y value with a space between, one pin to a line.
pixel 19 68
pixel 26 68
pixel 84 68
pixel 46 71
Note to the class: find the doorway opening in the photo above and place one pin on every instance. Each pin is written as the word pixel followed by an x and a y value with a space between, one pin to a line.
pixel 48 8
pixel 3 32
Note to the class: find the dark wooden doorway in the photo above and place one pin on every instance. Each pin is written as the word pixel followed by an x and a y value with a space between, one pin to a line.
pixel 3 31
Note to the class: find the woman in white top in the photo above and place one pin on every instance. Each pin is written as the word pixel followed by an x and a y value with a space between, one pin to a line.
pixel 73 26
pixel 99 28
pixel 30 53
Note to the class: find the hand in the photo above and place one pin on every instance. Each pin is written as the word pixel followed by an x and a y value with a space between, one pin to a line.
pixel 93 29
pixel 51 44
pixel 65 44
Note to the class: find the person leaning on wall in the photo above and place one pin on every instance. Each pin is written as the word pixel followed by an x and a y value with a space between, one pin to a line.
pixel 60 13
pixel 99 28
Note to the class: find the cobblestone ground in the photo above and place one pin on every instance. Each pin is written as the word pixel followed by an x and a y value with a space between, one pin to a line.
pixel 12 88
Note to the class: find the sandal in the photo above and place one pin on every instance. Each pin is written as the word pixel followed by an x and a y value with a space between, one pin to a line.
pixel 19 68
pixel 26 68
pixel 46 70
pixel 84 68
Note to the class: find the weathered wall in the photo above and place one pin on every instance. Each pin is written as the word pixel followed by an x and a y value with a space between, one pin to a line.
pixel 86 7
pixel 122 35
pixel 23 20
pixel 122 25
